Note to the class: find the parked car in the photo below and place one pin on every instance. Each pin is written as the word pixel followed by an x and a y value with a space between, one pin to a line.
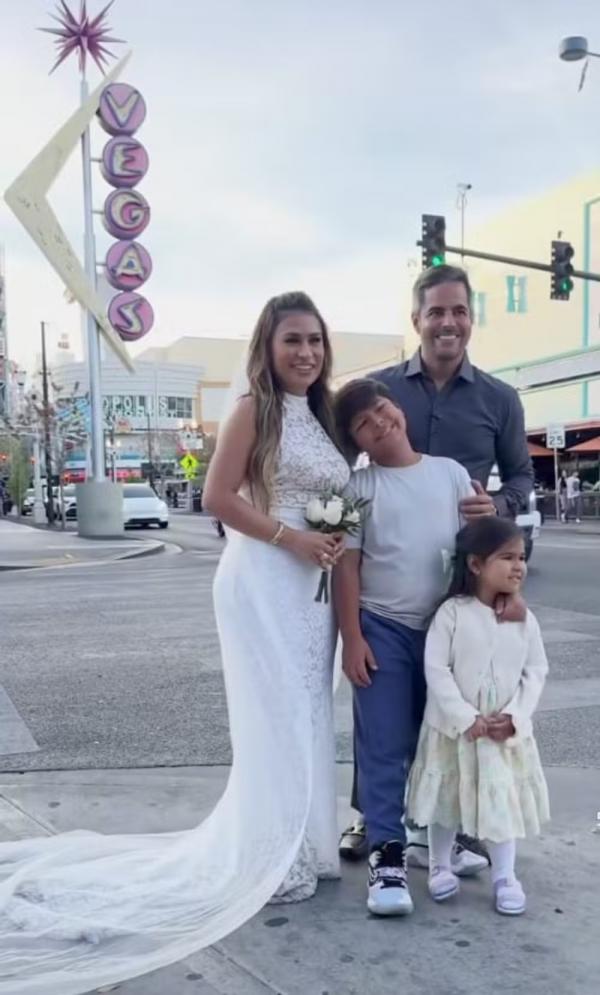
pixel 142 506
pixel 529 521
pixel 29 499
pixel 70 502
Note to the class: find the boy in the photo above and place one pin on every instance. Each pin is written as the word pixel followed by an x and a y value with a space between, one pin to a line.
pixel 386 587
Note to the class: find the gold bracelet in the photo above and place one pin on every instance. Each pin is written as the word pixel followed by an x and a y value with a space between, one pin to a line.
pixel 277 537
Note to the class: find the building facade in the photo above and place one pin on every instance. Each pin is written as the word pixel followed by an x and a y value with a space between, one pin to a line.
pixel 150 416
pixel 4 362
pixel 222 361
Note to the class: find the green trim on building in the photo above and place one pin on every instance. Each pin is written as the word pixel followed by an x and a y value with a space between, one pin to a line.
pixel 585 336
pixel 542 359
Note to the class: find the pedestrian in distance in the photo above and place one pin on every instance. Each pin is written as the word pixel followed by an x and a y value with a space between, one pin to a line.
pixel 563 503
pixel 477 764
pixel 574 497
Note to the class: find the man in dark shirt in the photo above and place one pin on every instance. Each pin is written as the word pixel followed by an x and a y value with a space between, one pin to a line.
pixel 454 409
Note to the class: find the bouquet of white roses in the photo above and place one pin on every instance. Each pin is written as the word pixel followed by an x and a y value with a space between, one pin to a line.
pixel 333 512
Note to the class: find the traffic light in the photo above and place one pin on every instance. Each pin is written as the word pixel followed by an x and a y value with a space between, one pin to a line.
pixel 433 240
pixel 562 271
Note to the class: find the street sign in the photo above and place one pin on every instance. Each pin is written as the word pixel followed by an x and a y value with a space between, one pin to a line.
pixel 189 464
pixel 555 437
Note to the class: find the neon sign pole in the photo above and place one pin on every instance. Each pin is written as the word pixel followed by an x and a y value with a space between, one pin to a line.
pixel 121 110
pixel 88 36
pixel 97 447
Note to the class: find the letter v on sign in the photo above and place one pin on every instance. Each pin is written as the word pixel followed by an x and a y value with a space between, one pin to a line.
pixel 122 112
pixel 27 199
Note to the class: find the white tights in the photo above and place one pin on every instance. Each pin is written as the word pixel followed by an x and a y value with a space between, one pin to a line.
pixel 502 855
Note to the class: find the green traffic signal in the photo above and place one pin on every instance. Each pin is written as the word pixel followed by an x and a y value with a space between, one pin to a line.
pixel 433 240
pixel 561 264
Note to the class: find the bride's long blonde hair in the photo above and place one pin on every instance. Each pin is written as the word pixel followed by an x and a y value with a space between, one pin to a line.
pixel 268 393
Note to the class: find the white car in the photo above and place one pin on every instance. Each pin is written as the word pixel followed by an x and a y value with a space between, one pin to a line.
pixel 142 506
pixel 29 499
pixel 530 521
pixel 28 502
pixel 69 501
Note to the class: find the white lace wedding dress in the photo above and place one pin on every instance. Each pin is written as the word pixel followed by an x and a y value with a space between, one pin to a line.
pixel 80 909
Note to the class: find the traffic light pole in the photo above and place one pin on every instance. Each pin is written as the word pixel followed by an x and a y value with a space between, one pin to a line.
pixel 512 261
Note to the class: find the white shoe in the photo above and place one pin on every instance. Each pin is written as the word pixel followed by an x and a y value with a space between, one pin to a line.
pixel 442 884
pixel 463 863
pixel 509 897
pixel 388 893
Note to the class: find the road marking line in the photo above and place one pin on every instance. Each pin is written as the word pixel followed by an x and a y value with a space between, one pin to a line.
pixel 15 736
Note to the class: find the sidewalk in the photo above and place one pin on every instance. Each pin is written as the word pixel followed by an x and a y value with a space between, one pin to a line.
pixel 330 945
pixel 23 547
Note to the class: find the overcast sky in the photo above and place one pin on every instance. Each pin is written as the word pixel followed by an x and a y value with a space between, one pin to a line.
pixel 294 144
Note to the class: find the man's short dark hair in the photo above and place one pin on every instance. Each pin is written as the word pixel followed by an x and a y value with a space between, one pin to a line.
pixel 436 275
pixel 350 400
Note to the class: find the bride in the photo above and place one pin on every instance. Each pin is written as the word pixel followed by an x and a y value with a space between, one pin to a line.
pixel 80 910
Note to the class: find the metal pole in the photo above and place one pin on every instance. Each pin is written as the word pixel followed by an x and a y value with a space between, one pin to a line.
pixel 47 441
pixel 556 486
pixel 39 512
pixel 512 261
pixel 113 451
pixel 462 203
pixel 93 338
pixel 150 453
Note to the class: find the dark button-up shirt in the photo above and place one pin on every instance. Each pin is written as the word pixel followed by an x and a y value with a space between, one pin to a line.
pixel 475 419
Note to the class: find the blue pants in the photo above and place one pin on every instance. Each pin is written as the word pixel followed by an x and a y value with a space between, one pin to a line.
pixel 387 718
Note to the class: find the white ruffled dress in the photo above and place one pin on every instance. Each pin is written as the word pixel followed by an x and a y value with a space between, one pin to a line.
pixel 494 791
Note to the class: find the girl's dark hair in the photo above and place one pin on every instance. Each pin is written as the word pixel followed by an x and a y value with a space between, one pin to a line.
pixel 480 538
pixel 350 400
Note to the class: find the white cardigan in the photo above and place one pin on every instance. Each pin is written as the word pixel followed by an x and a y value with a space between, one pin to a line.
pixel 463 640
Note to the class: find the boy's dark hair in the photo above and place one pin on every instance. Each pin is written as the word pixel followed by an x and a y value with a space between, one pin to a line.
pixel 480 538
pixel 350 400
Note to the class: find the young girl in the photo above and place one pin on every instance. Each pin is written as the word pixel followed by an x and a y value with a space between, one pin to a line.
pixel 477 766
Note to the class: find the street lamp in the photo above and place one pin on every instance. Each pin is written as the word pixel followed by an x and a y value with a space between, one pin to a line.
pixel 575 48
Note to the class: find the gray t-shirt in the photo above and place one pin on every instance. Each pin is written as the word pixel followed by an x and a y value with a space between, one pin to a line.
pixel 408 535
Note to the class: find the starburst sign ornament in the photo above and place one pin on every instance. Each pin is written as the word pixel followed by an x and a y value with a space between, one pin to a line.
pixel 84 35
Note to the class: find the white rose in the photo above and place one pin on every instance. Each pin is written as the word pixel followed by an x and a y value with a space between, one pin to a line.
pixel 353 517
pixel 315 511
pixel 333 511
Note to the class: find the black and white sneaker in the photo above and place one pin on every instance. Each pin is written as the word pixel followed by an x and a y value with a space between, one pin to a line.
pixel 388 893
pixel 469 856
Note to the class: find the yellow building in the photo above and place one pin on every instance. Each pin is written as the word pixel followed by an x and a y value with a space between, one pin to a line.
pixel 516 322
pixel 355 355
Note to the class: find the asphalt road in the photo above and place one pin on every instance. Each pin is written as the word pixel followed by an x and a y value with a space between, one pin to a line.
pixel 118 665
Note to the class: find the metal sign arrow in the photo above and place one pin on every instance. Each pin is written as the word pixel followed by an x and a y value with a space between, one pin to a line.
pixel 26 197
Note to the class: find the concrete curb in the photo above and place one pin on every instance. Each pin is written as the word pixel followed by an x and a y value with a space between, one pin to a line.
pixel 575 530
pixel 157 547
